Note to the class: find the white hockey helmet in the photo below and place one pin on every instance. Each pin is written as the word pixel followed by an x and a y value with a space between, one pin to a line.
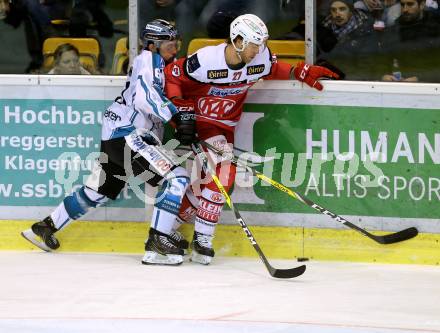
pixel 249 27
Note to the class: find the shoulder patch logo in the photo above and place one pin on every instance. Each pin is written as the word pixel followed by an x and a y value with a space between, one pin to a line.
pixel 256 69
pixel 176 70
pixel 217 74
pixel 192 63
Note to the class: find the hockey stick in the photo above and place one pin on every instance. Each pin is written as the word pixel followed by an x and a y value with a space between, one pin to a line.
pixel 274 272
pixel 396 237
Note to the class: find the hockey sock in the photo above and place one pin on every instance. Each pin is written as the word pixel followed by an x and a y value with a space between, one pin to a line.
pixel 177 224
pixel 209 210
pixel 76 205
pixel 168 201
pixel 187 210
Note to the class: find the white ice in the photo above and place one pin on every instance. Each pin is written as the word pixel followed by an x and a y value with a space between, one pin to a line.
pixel 70 293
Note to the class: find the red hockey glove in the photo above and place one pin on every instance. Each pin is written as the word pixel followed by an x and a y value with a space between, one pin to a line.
pixel 310 74
pixel 185 121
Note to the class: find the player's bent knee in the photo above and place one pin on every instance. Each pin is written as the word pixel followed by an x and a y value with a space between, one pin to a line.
pixel 170 196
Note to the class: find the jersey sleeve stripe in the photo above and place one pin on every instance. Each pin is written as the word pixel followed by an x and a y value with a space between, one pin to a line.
pixel 154 107
pixel 166 102
pixel 150 101
pixel 122 131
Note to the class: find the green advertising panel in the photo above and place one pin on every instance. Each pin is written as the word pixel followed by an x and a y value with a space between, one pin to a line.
pixel 363 161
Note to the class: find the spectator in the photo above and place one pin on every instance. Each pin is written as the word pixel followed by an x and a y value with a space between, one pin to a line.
pixel 384 11
pixel 4 9
pixel 415 35
pixel 66 60
pixel 218 24
pixel 150 9
pixel 90 15
pixel 345 21
pixel 322 9
pixel 326 40
pixel 84 12
pixel 414 22
pixel 347 40
pixel 431 5
pixel 185 14
pixel 36 15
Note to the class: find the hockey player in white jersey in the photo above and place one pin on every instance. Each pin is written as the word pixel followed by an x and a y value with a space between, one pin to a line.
pixel 130 146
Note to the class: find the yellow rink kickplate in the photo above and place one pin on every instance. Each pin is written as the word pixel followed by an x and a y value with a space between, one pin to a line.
pixel 230 240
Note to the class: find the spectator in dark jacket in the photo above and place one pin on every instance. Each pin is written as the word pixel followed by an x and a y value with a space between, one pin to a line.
pixel 415 36
pixel 345 21
pixel 348 40
pixel 415 23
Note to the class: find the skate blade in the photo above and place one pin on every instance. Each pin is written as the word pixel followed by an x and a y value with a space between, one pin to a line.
pixel 200 258
pixel 34 239
pixel 154 258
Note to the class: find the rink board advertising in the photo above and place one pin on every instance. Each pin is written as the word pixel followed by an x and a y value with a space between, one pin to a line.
pixel 359 160
pixel 47 148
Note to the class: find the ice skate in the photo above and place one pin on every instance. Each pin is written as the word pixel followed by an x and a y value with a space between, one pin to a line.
pixel 161 250
pixel 178 240
pixel 202 251
pixel 41 234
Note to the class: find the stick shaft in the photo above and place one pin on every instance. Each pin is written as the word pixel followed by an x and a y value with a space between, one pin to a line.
pixel 386 239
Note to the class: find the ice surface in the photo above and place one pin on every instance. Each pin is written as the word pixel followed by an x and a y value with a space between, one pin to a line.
pixel 59 292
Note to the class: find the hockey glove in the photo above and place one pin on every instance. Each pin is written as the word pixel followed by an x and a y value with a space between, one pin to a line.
pixel 185 121
pixel 310 74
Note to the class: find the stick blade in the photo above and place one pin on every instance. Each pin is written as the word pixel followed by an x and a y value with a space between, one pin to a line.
pixel 287 273
pixel 399 236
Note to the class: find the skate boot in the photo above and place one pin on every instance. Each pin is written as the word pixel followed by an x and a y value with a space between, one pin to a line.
pixel 41 234
pixel 178 240
pixel 161 250
pixel 202 251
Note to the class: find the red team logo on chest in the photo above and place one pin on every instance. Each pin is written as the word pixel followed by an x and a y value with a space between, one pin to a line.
pixel 215 107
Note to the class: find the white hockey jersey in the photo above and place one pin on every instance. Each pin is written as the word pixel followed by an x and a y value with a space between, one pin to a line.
pixel 142 103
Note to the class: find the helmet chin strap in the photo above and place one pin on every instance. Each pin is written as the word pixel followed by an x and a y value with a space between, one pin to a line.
pixel 238 55
pixel 237 50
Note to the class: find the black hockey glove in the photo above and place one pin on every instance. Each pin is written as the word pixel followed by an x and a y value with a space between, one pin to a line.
pixel 185 121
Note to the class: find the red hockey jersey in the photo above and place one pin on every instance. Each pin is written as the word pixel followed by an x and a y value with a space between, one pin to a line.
pixel 217 90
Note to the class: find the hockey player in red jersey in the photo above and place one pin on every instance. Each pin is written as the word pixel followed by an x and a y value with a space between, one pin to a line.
pixel 213 84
